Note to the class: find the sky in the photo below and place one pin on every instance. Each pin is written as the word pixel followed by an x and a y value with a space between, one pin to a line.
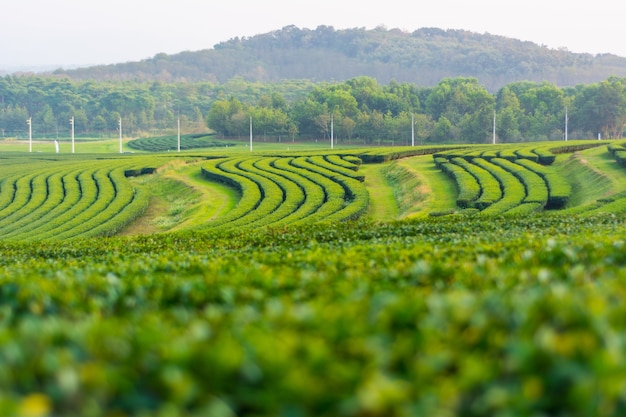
pixel 45 34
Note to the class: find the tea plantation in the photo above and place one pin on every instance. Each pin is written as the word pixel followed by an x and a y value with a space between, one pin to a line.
pixel 226 283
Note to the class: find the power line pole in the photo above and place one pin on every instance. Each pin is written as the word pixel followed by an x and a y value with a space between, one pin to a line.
pixel 179 134
pixel 412 129
pixel 494 127
pixel 120 129
pixel 30 134
pixel 72 124
pixel 566 120
pixel 332 134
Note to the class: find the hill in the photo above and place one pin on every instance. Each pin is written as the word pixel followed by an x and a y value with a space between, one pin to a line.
pixel 424 57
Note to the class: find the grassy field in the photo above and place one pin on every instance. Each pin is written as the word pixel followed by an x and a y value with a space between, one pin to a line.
pixel 93 145
pixel 181 199
pixel 304 282
pixel 98 145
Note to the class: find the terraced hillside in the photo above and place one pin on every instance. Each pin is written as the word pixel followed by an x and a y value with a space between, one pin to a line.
pixel 69 197
pixel 501 183
pixel 290 190
pixel 60 198
pixel 359 282
pixel 171 143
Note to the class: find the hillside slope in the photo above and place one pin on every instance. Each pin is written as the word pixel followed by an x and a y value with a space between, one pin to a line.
pixel 424 57
pixel 458 315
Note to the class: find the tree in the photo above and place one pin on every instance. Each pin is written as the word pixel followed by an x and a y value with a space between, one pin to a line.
pixel 423 125
pixel 509 113
pixel 13 120
pixel 601 108
pixel 227 117
pixel 442 131
pixel 100 124
pixel 346 127
pixel 81 121
pixel 310 117
pixel 543 109
pixel 464 103
pixel 46 120
pixel 218 116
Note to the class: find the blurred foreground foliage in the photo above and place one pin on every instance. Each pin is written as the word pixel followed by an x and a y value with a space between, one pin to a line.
pixel 467 316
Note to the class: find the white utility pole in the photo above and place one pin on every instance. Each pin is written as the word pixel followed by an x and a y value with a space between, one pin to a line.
pixel 179 134
pixel 250 133
pixel 120 129
pixel 566 120
pixel 72 124
pixel 30 134
pixel 332 134
pixel 494 127
pixel 412 129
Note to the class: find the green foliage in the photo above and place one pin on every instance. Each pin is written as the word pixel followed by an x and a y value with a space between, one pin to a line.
pixel 490 190
pixel 67 198
pixel 359 110
pixel 281 191
pixel 468 186
pixel 513 190
pixel 170 143
pixel 536 190
pixel 527 153
pixel 615 147
pixel 508 177
pixel 545 156
pixel 406 185
pixel 558 188
pixel 462 316
pixel 601 108
pixel 285 306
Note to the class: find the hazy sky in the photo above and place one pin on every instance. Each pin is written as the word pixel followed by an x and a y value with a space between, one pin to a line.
pixel 43 33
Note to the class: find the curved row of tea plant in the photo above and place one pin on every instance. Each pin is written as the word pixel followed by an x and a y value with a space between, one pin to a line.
pixel 513 190
pixel 288 190
pixel 170 143
pixel 618 151
pixel 615 203
pixel 468 187
pixel 63 199
pixel 490 190
pixel 559 190
pixel 505 180
pixel 540 154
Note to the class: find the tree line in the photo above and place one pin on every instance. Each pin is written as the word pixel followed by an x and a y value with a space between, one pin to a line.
pixel 146 108
pixel 359 110
pixel 456 110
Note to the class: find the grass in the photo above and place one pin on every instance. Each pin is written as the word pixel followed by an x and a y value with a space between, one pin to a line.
pixel 96 145
pixel 593 174
pixel 440 192
pixel 181 199
pixel 99 145
pixel 382 204
pixel 408 189
pixel 215 199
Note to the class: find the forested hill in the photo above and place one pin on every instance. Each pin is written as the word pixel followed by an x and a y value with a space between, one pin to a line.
pixel 422 57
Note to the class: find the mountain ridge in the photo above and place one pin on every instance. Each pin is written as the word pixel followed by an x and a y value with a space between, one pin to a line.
pixel 424 57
